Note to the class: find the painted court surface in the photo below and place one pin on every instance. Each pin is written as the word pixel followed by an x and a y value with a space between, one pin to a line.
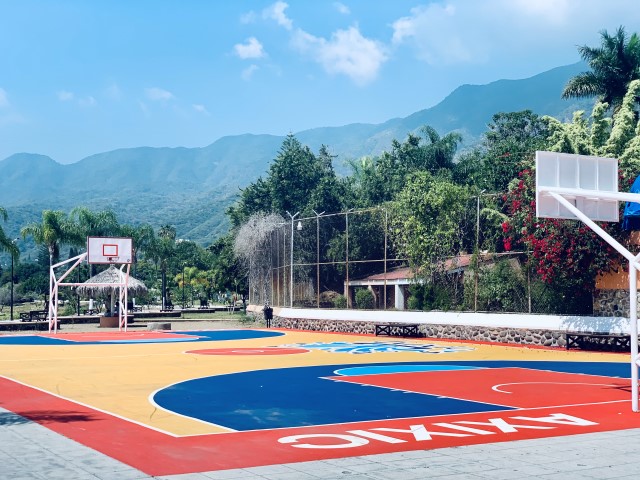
pixel 193 401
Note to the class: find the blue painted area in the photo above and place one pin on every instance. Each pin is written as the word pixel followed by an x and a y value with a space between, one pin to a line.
pixel 198 336
pixel 294 397
pixel 386 369
pixel 32 340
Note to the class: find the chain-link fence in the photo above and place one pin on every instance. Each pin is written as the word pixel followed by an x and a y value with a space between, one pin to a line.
pixel 347 260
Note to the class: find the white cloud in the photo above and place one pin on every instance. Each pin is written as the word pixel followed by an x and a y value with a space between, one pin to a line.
pixel 201 109
pixel 347 52
pixel 276 12
pixel 144 108
pixel 342 8
pixel 553 11
pixel 87 101
pixel 158 94
pixel 113 92
pixel 4 98
pixel 252 49
pixel 248 72
pixel 434 30
pixel 249 17
pixel 65 96
pixel 459 32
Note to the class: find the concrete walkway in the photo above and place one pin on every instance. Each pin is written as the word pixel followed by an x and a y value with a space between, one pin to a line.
pixel 31 451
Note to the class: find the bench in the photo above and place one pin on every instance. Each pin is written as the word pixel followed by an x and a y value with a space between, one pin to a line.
pixel 34 316
pixel 397 329
pixel 598 341
pixel 167 308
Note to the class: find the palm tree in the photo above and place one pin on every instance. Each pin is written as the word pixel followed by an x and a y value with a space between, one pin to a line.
pixel 613 66
pixel 94 224
pixel 6 244
pixel 54 230
pixel 142 238
pixel 162 250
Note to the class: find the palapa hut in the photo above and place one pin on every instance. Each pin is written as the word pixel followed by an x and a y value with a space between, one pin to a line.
pixel 111 276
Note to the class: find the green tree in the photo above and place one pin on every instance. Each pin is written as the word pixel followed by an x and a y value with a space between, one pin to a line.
pixel 509 147
pixel 614 64
pixel 226 271
pixel 294 175
pixel 567 254
pixel 379 179
pixel 162 251
pixel 7 244
pixel 54 230
pixel 428 222
pixel 94 224
pixel 297 181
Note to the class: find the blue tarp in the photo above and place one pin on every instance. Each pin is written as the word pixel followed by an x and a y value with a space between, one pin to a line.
pixel 631 217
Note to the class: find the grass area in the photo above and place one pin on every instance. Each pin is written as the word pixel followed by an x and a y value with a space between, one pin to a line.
pixel 19 308
pixel 236 316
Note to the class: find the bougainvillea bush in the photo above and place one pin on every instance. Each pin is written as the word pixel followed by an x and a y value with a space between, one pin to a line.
pixel 561 251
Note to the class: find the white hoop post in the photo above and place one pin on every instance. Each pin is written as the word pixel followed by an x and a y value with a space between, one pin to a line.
pixel 633 321
pixel 123 297
pixel 53 305
pixel 54 285
pixel 634 266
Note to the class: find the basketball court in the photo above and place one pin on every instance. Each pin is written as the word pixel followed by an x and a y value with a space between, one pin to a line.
pixel 182 402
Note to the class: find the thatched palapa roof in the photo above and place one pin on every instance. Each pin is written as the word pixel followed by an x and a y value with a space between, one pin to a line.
pixel 108 281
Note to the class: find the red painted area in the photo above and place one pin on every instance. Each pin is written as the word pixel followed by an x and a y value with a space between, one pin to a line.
pixel 118 336
pixel 166 455
pixel 513 387
pixel 249 351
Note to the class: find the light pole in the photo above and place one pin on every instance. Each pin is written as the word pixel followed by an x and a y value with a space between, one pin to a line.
pixel 14 242
pixel 183 286
pixel 291 260
pixel 318 256
pixel 475 273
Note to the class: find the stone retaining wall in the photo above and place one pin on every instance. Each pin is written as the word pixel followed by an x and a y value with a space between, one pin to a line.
pixel 546 338
pixel 611 303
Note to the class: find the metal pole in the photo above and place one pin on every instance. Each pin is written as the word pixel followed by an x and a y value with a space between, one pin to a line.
pixel 183 287
pixel 346 218
pixel 318 256
pixel 291 258
pixel 475 275
pixel 633 324
pixel 386 229
pixel 12 286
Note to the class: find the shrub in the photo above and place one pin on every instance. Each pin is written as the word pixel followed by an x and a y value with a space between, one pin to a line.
pixel 68 310
pixel 413 303
pixel 364 299
pixel 340 301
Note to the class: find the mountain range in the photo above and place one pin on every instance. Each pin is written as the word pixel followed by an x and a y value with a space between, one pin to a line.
pixel 190 188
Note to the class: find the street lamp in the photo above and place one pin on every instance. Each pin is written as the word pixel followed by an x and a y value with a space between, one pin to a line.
pixel 318 257
pixel 291 258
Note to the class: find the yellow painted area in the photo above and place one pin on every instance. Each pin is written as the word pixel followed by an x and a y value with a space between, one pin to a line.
pixel 120 379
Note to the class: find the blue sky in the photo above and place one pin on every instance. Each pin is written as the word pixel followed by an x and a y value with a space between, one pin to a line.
pixel 83 77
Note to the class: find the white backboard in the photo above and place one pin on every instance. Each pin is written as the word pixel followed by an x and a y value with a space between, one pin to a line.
pixel 109 250
pixel 576 172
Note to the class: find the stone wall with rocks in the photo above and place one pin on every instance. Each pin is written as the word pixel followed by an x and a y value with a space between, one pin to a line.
pixel 611 303
pixel 546 338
